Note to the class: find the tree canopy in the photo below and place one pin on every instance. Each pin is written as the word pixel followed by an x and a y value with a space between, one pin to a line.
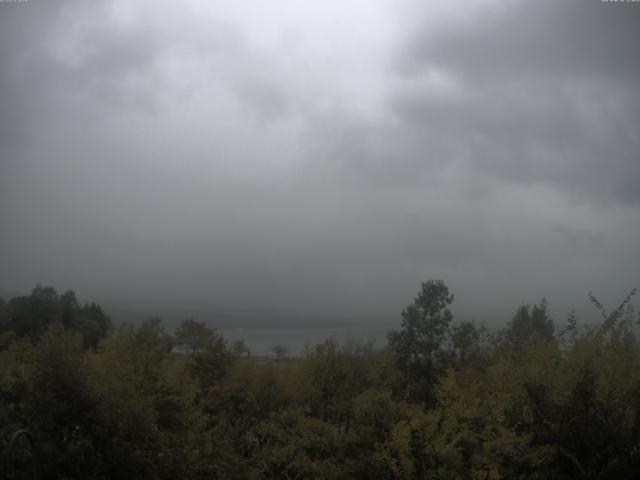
pixel 442 400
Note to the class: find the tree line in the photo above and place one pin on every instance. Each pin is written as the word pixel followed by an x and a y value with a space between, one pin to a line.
pixel 442 400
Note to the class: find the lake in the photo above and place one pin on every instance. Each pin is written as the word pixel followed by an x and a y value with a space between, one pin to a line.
pixel 261 341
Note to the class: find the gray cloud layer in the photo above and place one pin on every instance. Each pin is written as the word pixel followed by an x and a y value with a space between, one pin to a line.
pixel 540 93
pixel 313 163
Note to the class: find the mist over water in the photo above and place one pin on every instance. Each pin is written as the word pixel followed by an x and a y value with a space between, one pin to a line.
pixel 296 341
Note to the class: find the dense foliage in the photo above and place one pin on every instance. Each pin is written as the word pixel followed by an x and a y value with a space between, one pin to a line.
pixel 443 400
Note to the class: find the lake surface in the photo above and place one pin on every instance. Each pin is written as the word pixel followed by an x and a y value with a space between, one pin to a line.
pixel 261 341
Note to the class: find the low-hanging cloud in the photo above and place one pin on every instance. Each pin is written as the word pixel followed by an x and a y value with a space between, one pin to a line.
pixel 540 92
pixel 313 164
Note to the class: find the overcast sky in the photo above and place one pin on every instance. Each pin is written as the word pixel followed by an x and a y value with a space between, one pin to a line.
pixel 314 161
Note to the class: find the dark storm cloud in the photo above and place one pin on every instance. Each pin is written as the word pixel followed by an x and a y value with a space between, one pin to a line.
pixel 525 38
pixel 316 163
pixel 532 92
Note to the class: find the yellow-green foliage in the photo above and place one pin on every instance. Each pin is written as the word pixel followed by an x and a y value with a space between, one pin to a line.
pixel 523 405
